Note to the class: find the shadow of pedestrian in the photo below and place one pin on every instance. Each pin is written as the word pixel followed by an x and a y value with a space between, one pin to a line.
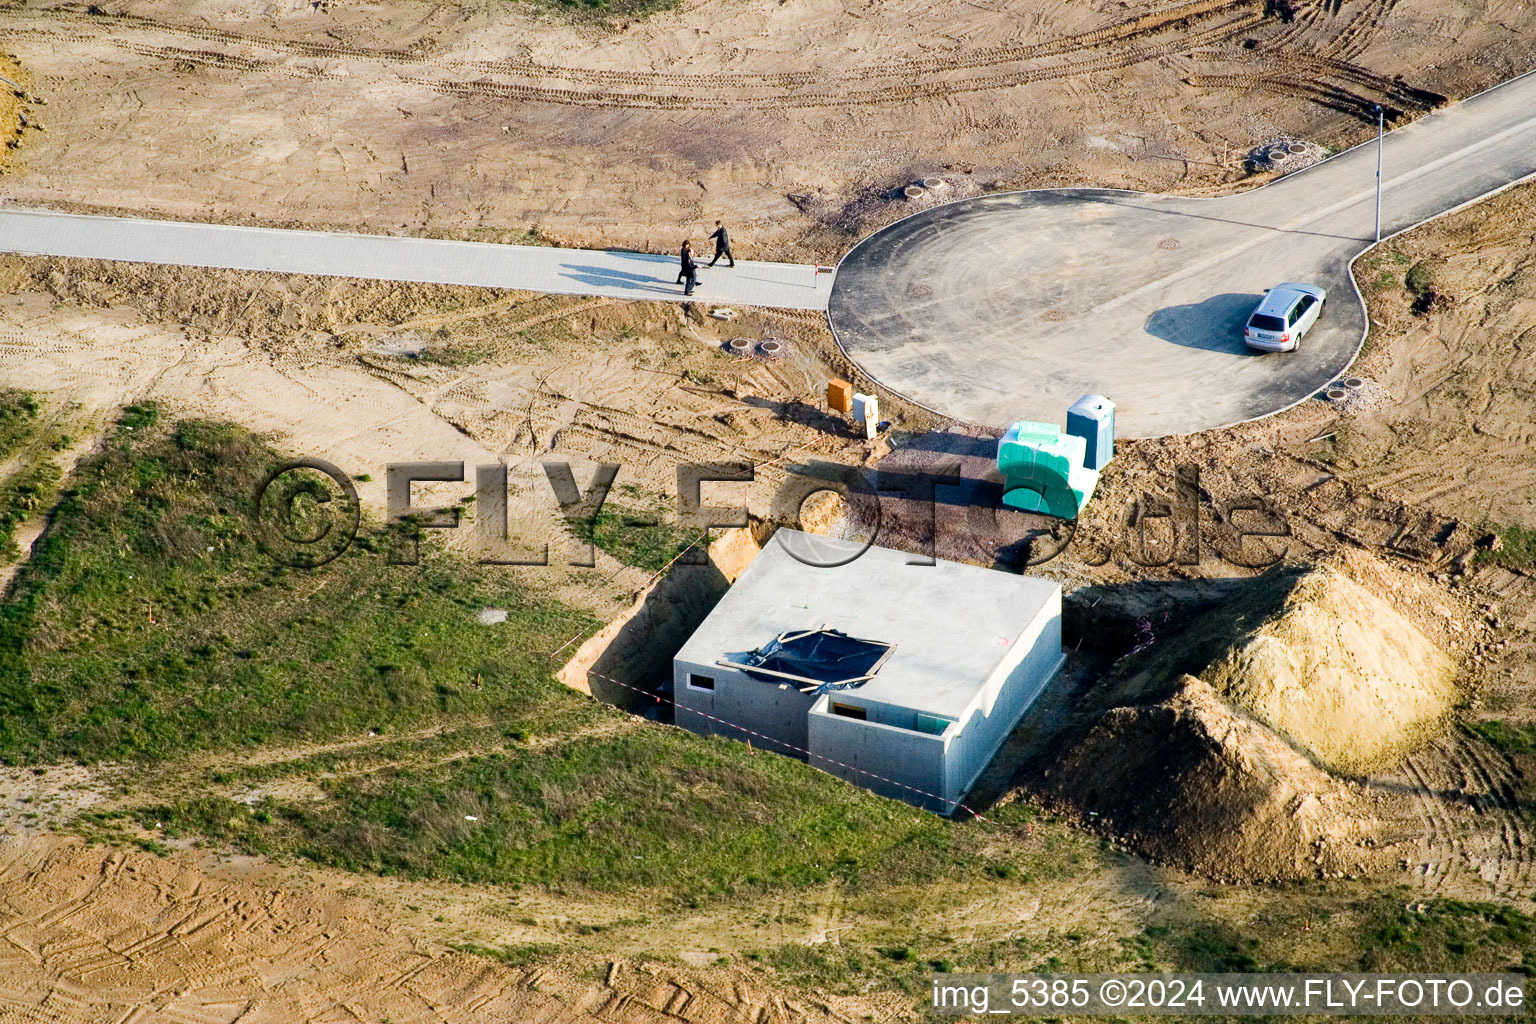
pixel 603 277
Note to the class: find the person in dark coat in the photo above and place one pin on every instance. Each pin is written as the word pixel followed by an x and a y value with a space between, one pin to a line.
pixel 722 239
pixel 688 270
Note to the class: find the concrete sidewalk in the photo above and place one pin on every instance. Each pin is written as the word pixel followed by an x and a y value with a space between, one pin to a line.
pixel 611 273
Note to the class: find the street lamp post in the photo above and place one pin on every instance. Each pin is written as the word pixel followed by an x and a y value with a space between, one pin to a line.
pixel 1380 136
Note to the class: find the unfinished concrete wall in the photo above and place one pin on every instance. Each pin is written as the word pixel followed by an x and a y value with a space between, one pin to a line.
pixel 754 708
pixel 878 757
pixel 1013 687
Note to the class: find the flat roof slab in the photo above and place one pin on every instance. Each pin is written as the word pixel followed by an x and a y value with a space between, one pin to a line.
pixel 952 624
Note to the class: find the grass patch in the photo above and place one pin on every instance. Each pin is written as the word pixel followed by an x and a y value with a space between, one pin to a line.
pixel 645 537
pixel 18 420
pixel 442 352
pixel 149 622
pixel 1420 279
pixel 1510 738
pixel 32 482
pixel 1445 935
pixel 1517 548
pixel 513 956
pixel 637 807
pixel 21 494
pixel 611 8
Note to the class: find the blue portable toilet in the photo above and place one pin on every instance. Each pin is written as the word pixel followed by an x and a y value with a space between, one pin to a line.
pixel 1092 418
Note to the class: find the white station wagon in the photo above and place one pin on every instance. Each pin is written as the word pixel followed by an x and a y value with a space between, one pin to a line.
pixel 1288 311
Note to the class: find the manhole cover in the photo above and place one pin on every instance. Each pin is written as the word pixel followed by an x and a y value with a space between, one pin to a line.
pixel 913 191
pixel 739 346
pixel 1354 382
pixel 1168 243
pixel 1054 316
pixel 771 349
pixel 919 291
pixel 1296 147
pixel 1337 395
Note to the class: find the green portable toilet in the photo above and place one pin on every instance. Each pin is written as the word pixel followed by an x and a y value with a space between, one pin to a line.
pixel 1043 470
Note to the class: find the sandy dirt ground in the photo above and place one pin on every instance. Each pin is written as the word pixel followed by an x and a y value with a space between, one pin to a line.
pixel 1463 362
pixel 794 120
pixel 97 934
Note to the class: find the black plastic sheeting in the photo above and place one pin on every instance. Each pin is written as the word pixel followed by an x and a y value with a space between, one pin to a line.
pixel 827 656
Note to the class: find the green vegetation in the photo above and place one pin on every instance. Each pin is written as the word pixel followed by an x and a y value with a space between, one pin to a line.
pixel 1517 548
pixel 1383 930
pixel 644 537
pixel 613 8
pixel 442 353
pixel 21 494
pixel 18 420
pixel 32 479
pixel 1509 737
pixel 631 805
pixel 1383 269
pixel 1335 928
pixel 1442 934
pixel 1420 282
pixel 150 622
pixel 1420 279
pixel 513 956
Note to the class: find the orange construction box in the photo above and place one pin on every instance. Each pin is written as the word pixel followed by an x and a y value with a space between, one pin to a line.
pixel 840 395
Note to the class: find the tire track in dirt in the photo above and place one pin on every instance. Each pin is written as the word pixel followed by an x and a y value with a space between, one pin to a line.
pixel 1301 23
pixel 1130 29
pixel 103 936
pixel 590 86
pixel 1495 777
pixel 1323 93
pixel 1360 30
pixel 1474 834
pixel 831 99
pixel 1178 16
pixel 1443 853
pixel 100 24
pixel 31 528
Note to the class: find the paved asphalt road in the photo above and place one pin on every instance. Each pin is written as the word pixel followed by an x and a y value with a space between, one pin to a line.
pixel 1011 306
pixel 613 273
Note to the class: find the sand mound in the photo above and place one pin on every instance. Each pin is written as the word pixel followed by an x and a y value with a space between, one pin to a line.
pixel 1191 783
pixel 1340 672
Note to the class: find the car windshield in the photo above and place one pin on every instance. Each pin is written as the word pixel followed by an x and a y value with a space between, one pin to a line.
pixel 1265 322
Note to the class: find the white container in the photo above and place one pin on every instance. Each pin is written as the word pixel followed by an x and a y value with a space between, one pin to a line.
pixel 866 410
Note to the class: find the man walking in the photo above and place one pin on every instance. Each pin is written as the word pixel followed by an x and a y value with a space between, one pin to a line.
pixel 688 270
pixel 722 245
